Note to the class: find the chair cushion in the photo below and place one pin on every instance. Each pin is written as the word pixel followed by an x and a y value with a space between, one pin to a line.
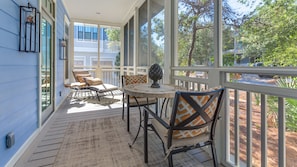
pixel 93 81
pixel 81 77
pixel 163 133
pixel 141 101
pixel 184 111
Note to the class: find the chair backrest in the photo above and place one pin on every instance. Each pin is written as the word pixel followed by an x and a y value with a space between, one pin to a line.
pixel 195 113
pixel 133 79
pixel 79 75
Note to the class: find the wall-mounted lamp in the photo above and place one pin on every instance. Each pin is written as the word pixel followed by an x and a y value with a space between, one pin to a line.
pixel 63 43
pixel 63 49
pixel 31 15
pixel 29 40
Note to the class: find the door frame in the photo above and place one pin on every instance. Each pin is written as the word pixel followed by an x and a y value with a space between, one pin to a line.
pixel 44 115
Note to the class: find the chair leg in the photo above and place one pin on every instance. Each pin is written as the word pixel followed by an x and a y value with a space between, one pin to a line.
pixel 164 148
pixel 98 97
pixel 214 155
pixel 123 112
pixel 170 161
pixel 128 114
pixel 123 108
pixel 112 94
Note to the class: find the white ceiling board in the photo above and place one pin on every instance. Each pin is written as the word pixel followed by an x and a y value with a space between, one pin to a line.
pixel 111 11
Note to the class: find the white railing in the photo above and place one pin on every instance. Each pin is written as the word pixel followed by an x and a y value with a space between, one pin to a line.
pixel 253 130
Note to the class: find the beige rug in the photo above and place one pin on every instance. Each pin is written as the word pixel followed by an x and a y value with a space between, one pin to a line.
pixel 104 101
pixel 104 142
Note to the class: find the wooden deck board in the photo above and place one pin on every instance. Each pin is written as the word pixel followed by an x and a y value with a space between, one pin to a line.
pixel 44 154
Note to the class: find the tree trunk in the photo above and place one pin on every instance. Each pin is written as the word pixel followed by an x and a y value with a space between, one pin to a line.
pixel 190 53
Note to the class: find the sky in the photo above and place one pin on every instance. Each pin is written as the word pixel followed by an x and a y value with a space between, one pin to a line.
pixel 242 8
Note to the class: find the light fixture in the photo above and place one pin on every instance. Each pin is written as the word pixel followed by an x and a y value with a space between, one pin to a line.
pixel 31 15
pixel 63 50
pixel 29 27
pixel 63 43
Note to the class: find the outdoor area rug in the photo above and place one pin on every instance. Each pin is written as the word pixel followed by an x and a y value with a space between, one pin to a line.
pixel 104 142
pixel 94 100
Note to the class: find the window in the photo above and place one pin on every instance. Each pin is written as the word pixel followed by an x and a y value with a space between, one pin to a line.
pixel 48 5
pixel 80 32
pixel 79 61
pixel 87 33
pixel 95 34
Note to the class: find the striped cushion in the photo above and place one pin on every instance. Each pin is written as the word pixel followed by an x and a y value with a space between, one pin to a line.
pixel 81 77
pixel 184 111
pixel 93 81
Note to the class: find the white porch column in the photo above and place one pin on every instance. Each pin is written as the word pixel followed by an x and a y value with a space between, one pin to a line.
pixel 136 39
pixel 215 79
pixel 170 50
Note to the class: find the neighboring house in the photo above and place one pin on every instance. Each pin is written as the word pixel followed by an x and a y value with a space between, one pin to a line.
pixel 86 46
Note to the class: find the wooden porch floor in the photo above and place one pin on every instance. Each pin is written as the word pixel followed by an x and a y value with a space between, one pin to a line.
pixel 47 145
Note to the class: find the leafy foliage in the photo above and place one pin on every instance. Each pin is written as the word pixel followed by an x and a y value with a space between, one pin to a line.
pixel 195 31
pixel 291 104
pixel 113 35
pixel 271 33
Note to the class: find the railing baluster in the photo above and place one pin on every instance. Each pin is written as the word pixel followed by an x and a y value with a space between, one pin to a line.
pixel 236 127
pixel 227 125
pixel 263 130
pixel 249 128
pixel 281 132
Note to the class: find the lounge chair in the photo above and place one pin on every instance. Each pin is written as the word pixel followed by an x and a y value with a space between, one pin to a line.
pixel 94 84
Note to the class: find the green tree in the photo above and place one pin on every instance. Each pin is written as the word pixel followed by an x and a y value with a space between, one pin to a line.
pixel 271 33
pixel 118 60
pixel 113 35
pixel 195 31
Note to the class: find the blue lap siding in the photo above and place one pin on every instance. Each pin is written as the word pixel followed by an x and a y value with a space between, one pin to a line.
pixel 19 78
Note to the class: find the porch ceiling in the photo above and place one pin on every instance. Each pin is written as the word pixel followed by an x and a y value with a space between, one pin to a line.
pixel 111 11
